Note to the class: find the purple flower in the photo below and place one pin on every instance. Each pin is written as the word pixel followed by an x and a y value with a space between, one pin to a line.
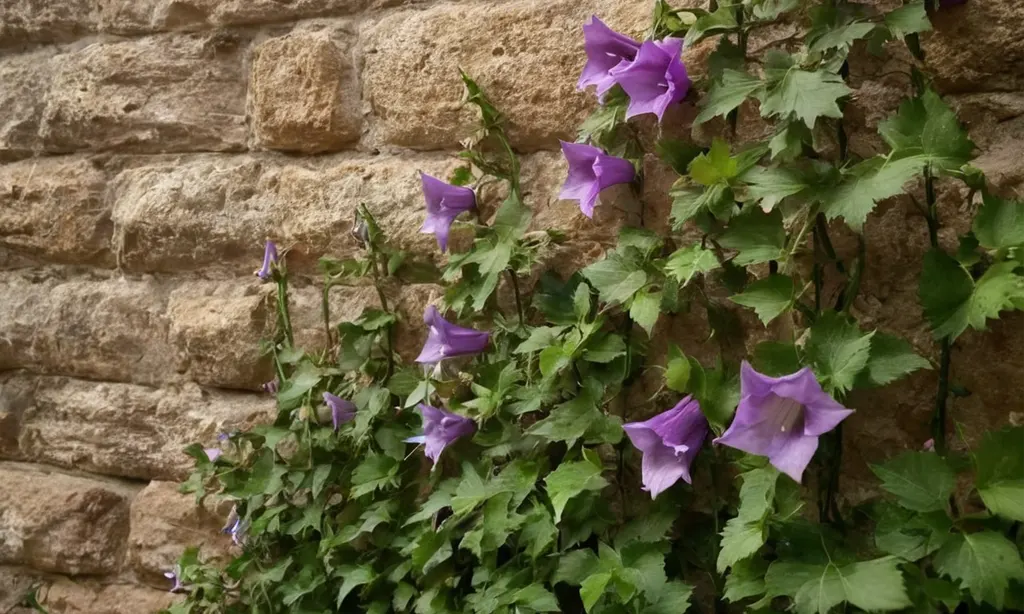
pixel 444 203
pixel 669 442
pixel 441 428
pixel 590 171
pixel 236 529
pixel 222 437
pixel 446 340
pixel 655 79
pixel 269 260
pixel 929 446
pixel 175 576
pixel 342 411
pixel 270 387
pixel 782 418
pixel 212 453
pixel 606 49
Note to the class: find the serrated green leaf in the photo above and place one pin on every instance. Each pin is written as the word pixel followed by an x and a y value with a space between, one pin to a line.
pixel 536 598
pixel 714 167
pixel 746 579
pixel 890 359
pixel 575 566
pixel 983 563
pixel 803 94
pixel 677 153
pixel 842 37
pixel 615 278
pixel 352 578
pixel 952 301
pixel 910 18
pixel 769 186
pixel 571 479
pixel 873 586
pixel 645 309
pixel 672 597
pixel 1000 472
pixel 775 359
pixel 758 236
pixel 922 481
pixel 677 370
pixel 999 223
pixel 727 94
pixel 541 337
pixel 746 533
pixel 838 351
pixel 769 297
pixel 592 589
pixel 909 535
pixel 688 201
pixel 722 20
pixel 867 183
pixel 375 472
pixel 927 129
pixel 687 262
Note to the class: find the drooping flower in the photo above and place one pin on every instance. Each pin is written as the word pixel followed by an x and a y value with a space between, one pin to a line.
pixel 236 529
pixel 669 442
pixel 441 428
pixel 782 418
pixel 175 576
pixel 213 453
pixel 342 410
pixel 270 387
pixel 656 79
pixel 269 260
pixel 606 49
pixel 444 203
pixel 929 446
pixel 590 171
pixel 446 340
pixel 223 436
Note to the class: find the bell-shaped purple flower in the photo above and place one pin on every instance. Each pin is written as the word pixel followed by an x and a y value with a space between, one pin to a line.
pixel 342 410
pixel 175 576
pixel 656 79
pixel 213 453
pixel 446 340
pixel 606 49
pixel 669 443
pixel 441 428
pixel 782 418
pixel 269 260
pixel 590 171
pixel 236 529
pixel 444 203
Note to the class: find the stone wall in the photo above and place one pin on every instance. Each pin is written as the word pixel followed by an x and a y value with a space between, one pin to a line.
pixel 147 148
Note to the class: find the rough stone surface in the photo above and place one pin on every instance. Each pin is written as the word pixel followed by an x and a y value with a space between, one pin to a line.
pixel 518 51
pixel 305 95
pixel 164 523
pixel 45 21
pixel 158 94
pixel 61 524
pixel 977 47
pixel 54 210
pixel 65 596
pixel 117 429
pixel 25 79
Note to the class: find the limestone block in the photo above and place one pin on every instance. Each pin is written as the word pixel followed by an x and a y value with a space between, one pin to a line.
pixel 45 21
pixel 146 16
pixel 305 95
pixel 157 94
pixel 977 47
pixel 26 79
pixel 62 524
pixel 81 596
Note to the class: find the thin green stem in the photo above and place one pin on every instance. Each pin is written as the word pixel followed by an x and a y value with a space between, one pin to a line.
pixel 514 281
pixel 284 318
pixel 939 418
pixel 325 309
pixel 853 287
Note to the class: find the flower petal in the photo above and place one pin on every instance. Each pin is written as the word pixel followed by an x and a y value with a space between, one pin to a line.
pixel 793 458
pixel 661 468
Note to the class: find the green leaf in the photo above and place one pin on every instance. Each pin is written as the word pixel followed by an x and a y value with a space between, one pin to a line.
pixel 536 598
pixel 305 378
pixel 689 201
pixel 769 186
pixel 775 359
pixel 952 301
pixel 806 95
pixel 677 370
pixel 375 472
pixel 890 359
pixel 571 479
pixel 615 278
pixel 1000 472
pixel 926 128
pixel 687 262
pixel 576 566
pixel 722 20
pixel 909 535
pixel 672 597
pixel 999 223
pixel 511 220
pixel 714 167
pixel 539 532
pixel 592 589
pixel 983 563
pixel 645 309
pixel 320 475
pixel 677 153
pixel 838 351
pixel 745 580
pixel 540 338
pixel 873 586
pixel 646 241
pixel 769 297
pixel 910 18
pixel 867 183
pixel 758 236
pixel 353 577
pixel 841 37
pixel 727 94
pixel 746 533
pixel 922 481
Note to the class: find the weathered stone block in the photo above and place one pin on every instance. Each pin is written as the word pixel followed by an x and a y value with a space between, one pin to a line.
pixel 157 94
pixel 26 79
pixel 305 95
pixel 146 16
pixel 45 21
pixel 117 429
pixel 62 524
pixel 66 596
pixel 52 209
pixel 977 47
pixel 527 55
pixel 164 522
pixel 105 329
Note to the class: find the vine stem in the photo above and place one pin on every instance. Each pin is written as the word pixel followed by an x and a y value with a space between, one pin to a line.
pixel 514 281
pixel 282 309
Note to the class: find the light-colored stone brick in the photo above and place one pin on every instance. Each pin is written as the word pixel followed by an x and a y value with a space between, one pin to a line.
pixel 117 429
pixel 62 524
pixel 146 16
pixel 305 94
pixel 164 522
pixel 156 94
pixel 53 210
pixel 45 21
pixel 977 47
pixel 526 54
pixel 26 79
pixel 83 596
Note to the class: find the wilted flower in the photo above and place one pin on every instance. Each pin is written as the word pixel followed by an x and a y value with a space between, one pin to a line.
pixel 175 576
pixel 342 410
pixel 782 418
pixel 606 49
pixel 929 446
pixel 270 387
pixel 269 260
pixel 441 428
pixel 212 453
pixel 446 340
pixel 656 79
pixel 590 171
pixel 236 529
pixel 444 203
pixel 361 230
pixel 669 442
